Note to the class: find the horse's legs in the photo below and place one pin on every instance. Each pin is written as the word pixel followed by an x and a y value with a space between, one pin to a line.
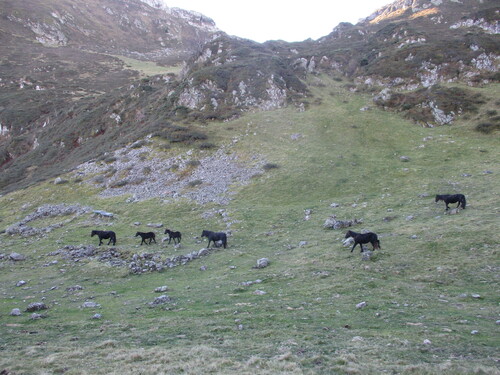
pixel 355 243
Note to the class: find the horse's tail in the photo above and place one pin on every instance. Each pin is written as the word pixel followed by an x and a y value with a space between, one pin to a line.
pixel 464 202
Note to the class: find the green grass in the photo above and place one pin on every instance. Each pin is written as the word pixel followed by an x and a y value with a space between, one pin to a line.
pixel 416 289
pixel 148 68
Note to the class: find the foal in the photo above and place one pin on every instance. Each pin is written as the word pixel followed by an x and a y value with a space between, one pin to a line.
pixel 145 236
pixel 454 198
pixel 361 238
pixel 173 236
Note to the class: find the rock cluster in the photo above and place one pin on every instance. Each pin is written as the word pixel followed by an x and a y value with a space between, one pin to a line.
pixel 198 180
pixel 333 223
pixel 42 212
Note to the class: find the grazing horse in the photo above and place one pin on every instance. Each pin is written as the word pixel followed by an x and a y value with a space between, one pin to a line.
pixel 361 238
pixel 104 234
pixel 215 236
pixel 454 198
pixel 145 236
pixel 173 236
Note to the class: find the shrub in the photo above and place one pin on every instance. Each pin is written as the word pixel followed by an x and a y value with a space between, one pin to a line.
pixel 487 127
pixel 194 183
pixel 269 166
pixel 118 184
pixel 206 145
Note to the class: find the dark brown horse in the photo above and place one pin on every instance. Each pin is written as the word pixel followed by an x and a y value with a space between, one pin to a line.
pixel 453 198
pixel 173 236
pixel 104 234
pixel 146 236
pixel 215 236
pixel 361 238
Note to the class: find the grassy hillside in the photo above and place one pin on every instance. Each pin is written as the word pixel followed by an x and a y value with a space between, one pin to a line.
pixel 431 292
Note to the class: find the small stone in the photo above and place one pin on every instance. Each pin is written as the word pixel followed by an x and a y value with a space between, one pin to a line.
pixel 476 296
pixel 36 316
pixel 203 268
pixel 262 263
pixel 16 257
pixel 259 292
pixel 155 225
pixel 60 181
pixel 303 243
pixel 96 316
pixel 366 255
pixel 358 338
pixel 21 283
pixel 15 312
pixel 404 158
pixel 161 300
pixel 427 342
pixel 90 304
pixel 161 289
pixel 36 306
pixel 474 332
pixel 335 205
pixel 361 305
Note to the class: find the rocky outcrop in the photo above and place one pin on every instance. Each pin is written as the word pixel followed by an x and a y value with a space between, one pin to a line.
pixel 46 211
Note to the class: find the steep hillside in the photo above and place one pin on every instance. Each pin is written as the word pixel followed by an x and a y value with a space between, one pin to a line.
pixel 58 55
pixel 425 303
pixel 417 57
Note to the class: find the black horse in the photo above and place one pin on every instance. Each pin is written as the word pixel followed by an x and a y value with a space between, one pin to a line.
pixel 104 234
pixel 454 198
pixel 361 238
pixel 145 236
pixel 215 236
pixel 173 236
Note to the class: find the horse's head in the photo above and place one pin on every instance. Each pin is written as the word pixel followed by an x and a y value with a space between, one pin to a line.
pixel 204 233
pixel 93 233
pixel 376 245
pixel 349 234
pixel 438 197
pixel 137 234
pixel 167 231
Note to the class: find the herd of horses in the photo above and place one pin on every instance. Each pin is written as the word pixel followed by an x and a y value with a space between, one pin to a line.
pixel 149 237
pixel 216 237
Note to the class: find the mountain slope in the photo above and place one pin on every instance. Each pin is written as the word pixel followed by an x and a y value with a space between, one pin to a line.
pixel 428 300
pixel 416 55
